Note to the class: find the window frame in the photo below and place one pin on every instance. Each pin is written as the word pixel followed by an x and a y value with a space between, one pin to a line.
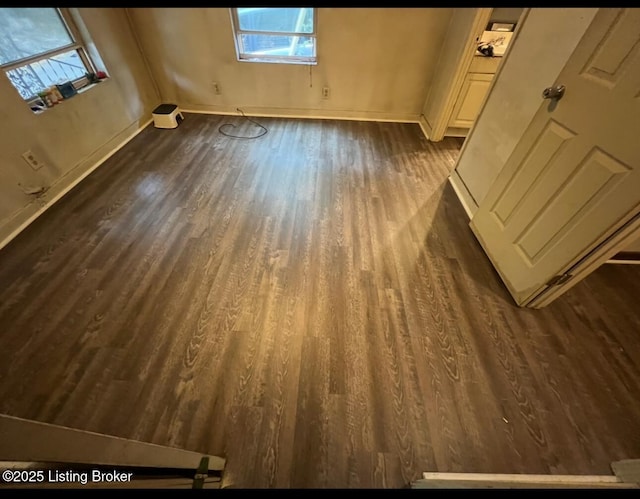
pixel 77 44
pixel 282 59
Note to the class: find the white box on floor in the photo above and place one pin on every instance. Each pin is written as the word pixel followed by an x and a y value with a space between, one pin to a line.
pixel 167 116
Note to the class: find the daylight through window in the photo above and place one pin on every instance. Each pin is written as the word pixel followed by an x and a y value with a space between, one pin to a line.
pixel 39 47
pixel 265 34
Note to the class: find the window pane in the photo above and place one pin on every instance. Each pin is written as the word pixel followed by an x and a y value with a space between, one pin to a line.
pixel 33 78
pixel 278 46
pixel 27 32
pixel 288 20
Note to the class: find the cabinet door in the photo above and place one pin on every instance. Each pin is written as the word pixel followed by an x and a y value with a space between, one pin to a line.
pixel 474 89
pixel 482 64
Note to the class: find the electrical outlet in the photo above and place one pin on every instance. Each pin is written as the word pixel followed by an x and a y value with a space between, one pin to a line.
pixel 32 161
pixel 216 87
pixel 325 92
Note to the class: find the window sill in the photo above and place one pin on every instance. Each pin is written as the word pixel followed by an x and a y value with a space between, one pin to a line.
pixel 279 61
pixel 82 90
pixel 79 91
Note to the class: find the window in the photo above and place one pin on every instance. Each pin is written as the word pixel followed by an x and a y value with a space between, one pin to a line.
pixel 39 48
pixel 275 34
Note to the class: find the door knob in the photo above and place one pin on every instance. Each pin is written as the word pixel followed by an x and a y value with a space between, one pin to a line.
pixel 553 92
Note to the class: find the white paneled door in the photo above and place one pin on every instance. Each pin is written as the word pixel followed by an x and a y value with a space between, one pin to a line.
pixel 574 177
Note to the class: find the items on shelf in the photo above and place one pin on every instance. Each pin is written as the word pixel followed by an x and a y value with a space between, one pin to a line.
pixel 494 43
pixel 91 78
pixel 55 94
pixel 67 89
pixel 51 96
pixel 95 77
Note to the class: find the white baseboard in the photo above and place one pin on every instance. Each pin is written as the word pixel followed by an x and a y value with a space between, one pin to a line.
pixel 65 183
pixel 265 112
pixel 453 131
pixel 467 202
pixel 424 126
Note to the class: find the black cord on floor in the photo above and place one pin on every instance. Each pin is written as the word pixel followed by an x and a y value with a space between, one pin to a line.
pixel 263 132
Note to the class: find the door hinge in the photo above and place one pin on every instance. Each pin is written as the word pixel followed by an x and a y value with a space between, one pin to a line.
pixel 559 279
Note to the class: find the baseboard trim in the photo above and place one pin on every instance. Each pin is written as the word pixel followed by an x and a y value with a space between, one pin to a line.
pixel 66 188
pixel 467 202
pixel 424 126
pixel 626 257
pixel 312 115
pixel 453 131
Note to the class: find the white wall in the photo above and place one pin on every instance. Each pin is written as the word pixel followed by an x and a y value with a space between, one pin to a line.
pixel 452 49
pixel 72 136
pixel 378 63
pixel 535 58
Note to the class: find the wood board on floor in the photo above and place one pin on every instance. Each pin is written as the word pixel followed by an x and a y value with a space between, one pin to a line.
pixel 518 481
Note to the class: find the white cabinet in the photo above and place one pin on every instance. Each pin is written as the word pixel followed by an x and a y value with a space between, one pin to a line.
pixel 482 64
pixel 473 91
pixel 472 94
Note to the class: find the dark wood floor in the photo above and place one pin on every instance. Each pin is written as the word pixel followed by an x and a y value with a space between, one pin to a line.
pixel 313 306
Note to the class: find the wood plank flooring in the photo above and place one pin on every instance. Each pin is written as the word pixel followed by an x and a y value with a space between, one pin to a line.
pixel 313 306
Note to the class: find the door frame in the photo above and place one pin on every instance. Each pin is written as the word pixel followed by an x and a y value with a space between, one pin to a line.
pixel 437 129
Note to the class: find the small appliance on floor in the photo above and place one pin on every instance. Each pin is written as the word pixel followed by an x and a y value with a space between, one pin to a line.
pixel 167 116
